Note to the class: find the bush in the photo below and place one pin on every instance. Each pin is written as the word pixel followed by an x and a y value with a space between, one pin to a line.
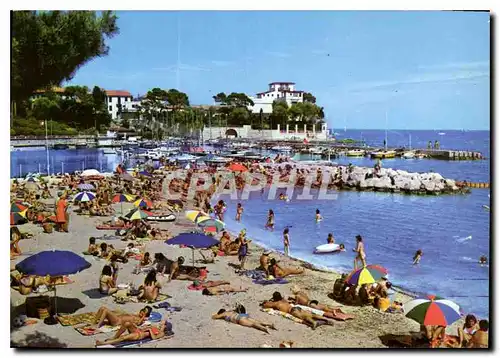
pixel 32 127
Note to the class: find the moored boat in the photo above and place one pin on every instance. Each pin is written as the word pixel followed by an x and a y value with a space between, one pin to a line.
pixel 383 154
pixel 355 153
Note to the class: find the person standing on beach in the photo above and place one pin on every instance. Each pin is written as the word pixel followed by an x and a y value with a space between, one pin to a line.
pixel 286 241
pixel 270 220
pixel 242 250
pixel 239 211
pixel 360 249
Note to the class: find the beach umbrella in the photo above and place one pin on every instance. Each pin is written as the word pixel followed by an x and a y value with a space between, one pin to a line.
pixel 143 203
pixel 84 196
pixel 90 173
pixel 17 207
pixel 53 263
pixel 207 221
pixel 17 218
pixel 367 274
pixel 237 167
pixel 432 311
pixel 192 215
pixel 85 186
pixel 121 198
pixel 194 241
pixel 137 214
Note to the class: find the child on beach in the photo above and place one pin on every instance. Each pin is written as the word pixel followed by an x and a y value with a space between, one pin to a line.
pixel 417 257
pixel 270 220
pixel 318 216
pixel 92 249
pixel 239 211
pixel 286 241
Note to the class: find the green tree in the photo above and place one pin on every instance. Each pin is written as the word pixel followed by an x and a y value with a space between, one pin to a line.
pixel 280 112
pixel 309 97
pixel 295 111
pixel 49 46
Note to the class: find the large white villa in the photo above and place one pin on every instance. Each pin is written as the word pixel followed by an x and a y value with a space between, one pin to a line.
pixel 281 91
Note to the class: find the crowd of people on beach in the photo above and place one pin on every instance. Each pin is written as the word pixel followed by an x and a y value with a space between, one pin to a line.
pixel 147 189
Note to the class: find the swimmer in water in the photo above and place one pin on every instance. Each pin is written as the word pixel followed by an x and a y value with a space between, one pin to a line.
pixel 341 247
pixel 239 211
pixel 330 239
pixel 417 257
pixel 282 196
pixel 318 216
pixel 270 220
pixel 483 260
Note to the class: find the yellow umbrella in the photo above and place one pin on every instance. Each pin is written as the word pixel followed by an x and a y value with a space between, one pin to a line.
pixel 192 215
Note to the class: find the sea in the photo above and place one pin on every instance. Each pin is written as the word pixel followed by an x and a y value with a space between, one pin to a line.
pixel 453 231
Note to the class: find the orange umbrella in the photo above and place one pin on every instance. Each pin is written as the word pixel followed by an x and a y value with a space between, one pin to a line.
pixel 237 167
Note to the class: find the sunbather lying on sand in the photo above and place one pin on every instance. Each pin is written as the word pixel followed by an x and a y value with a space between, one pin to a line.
pixel 215 291
pixel 301 298
pixel 281 304
pixel 278 271
pixel 242 319
pixel 175 271
pixel 104 315
pixel 199 285
pixel 135 333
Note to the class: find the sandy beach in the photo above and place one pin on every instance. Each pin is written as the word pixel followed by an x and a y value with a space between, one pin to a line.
pixel 193 326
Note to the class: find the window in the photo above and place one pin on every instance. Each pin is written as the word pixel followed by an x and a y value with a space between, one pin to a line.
pixel 110 108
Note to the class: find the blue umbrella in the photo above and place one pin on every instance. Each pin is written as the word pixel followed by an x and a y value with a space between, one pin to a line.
pixel 194 241
pixel 53 263
pixel 145 173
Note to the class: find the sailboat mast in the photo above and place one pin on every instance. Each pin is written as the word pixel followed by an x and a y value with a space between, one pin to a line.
pixel 386 130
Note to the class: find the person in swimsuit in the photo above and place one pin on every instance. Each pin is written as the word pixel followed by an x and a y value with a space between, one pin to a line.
pixel 360 249
pixel 216 290
pixel 239 212
pixel 301 298
pixel 243 319
pixel 281 304
pixel 480 338
pixel 151 288
pixel 104 315
pixel 92 249
pixel 470 327
pixel 318 216
pixel 286 241
pixel 107 285
pixel 270 220
pixel 278 271
pixel 330 239
pixel 242 251
pixel 417 257
pixel 264 261
pixel 136 333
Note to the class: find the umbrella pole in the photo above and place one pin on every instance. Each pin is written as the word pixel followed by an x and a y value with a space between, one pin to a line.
pixel 121 203
pixel 55 300
pixel 193 256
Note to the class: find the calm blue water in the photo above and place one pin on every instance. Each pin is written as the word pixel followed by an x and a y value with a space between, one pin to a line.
pixel 393 226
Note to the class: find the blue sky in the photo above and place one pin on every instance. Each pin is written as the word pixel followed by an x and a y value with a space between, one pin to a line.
pixel 427 70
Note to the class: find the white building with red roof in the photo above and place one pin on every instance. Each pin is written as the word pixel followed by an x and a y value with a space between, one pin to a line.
pixel 116 99
pixel 278 91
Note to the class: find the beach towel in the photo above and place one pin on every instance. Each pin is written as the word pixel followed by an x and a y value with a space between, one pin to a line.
pixel 274 312
pixel 253 274
pixel 275 281
pixel 87 330
pixel 75 319
pixel 135 343
pixel 121 299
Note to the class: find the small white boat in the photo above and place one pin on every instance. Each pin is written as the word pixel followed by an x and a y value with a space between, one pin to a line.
pixel 316 151
pixel 409 155
pixel 355 153
pixel 327 248
pixel 441 133
pixel 383 154
pixel 109 151
pixel 282 148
